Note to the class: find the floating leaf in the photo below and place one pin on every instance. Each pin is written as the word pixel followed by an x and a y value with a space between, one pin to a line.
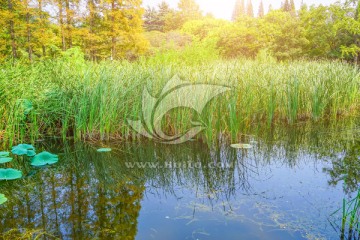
pixel 5 159
pixel 23 149
pixel 3 199
pixel 31 153
pixel 9 174
pixel 44 158
pixel 4 154
pixel 241 146
pixel 104 150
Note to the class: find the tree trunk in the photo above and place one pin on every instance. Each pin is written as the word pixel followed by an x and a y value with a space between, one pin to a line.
pixel 42 26
pixel 11 30
pixel 113 39
pixel 68 23
pixel 61 21
pixel 28 32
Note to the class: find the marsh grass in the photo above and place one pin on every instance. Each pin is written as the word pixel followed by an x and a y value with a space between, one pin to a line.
pixel 350 212
pixel 92 101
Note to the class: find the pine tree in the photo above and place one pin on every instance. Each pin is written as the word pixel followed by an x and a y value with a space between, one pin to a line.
pixel 249 9
pixel 151 19
pixel 261 10
pixel 239 9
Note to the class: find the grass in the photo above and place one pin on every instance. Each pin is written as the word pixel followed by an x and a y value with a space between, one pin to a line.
pixel 350 223
pixel 92 101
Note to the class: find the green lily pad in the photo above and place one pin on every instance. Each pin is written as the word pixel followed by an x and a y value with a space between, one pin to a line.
pixel 5 159
pixel 9 174
pixel 23 149
pixel 241 146
pixel 31 153
pixel 104 150
pixel 3 199
pixel 4 154
pixel 44 158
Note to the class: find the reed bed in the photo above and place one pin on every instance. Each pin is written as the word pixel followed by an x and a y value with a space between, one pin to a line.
pixel 93 101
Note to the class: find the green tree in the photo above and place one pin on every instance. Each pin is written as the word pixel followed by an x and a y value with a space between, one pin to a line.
pixel 189 10
pixel 283 35
pixel 239 9
pixel 164 10
pixel 151 20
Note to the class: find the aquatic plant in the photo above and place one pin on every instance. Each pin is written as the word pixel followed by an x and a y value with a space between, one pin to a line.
pixel 104 150
pixel 3 199
pixel 9 174
pixel 5 159
pixel 44 158
pixel 95 100
pixel 24 149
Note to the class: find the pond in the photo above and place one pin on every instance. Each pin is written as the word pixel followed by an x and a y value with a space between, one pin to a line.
pixel 291 184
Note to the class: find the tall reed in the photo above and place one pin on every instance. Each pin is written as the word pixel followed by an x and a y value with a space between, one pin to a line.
pixel 85 100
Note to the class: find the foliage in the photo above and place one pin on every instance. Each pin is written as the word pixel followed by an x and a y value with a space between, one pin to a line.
pixel 110 29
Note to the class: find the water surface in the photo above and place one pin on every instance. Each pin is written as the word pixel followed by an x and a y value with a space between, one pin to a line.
pixel 288 186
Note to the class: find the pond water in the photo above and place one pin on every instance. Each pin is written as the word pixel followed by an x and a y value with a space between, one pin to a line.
pixel 288 186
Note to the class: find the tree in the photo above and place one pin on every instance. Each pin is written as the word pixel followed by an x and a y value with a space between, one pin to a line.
pixel 121 29
pixel 239 9
pixel 286 6
pixel 270 8
pixel 164 10
pixel 189 10
pixel 283 35
pixel 249 9
pixel 151 20
pixel 292 6
pixel 261 10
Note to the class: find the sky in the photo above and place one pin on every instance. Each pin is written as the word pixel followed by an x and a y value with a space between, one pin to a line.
pixel 223 8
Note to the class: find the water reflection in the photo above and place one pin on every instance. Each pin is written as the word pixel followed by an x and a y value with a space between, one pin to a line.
pixel 92 195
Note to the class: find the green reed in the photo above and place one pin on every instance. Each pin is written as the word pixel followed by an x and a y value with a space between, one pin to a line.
pixel 85 100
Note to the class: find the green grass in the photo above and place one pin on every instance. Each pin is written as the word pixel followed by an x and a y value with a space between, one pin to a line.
pixel 92 101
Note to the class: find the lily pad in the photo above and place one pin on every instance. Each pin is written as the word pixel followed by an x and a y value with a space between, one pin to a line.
pixel 9 174
pixel 5 159
pixel 23 149
pixel 104 150
pixel 3 199
pixel 31 153
pixel 241 146
pixel 4 154
pixel 44 158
